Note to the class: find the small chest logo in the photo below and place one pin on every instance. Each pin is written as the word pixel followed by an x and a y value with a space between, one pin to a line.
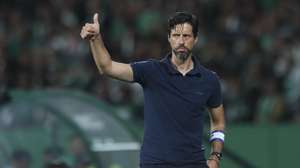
pixel 199 93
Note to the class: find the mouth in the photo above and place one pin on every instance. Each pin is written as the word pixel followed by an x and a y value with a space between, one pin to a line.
pixel 181 49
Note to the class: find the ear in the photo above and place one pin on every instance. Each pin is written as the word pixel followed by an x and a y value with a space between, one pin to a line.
pixel 169 38
pixel 196 40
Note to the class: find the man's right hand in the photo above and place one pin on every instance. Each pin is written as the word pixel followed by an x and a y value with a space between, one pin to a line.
pixel 91 30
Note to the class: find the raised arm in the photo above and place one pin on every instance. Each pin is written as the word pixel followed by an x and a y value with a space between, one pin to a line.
pixel 105 65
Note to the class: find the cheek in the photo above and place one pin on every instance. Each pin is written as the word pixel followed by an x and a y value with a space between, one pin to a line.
pixel 172 43
pixel 190 44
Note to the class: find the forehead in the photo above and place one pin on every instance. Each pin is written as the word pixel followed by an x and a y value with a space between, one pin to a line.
pixel 185 28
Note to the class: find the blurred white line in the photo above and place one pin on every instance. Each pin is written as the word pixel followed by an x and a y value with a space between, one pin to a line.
pixel 112 146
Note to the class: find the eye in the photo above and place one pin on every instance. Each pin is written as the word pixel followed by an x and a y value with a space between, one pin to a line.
pixel 186 35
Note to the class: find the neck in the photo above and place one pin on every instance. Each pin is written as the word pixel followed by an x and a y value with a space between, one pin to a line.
pixel 182 66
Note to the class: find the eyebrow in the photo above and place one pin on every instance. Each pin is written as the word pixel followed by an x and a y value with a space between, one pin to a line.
pixel 177 33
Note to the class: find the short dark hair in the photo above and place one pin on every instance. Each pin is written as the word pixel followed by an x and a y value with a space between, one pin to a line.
pixel 181 18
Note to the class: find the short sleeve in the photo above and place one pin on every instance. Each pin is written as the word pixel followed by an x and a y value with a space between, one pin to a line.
pixel 215 98
pixel 141 71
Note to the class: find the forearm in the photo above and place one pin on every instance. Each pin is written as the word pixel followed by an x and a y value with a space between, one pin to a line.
pixel 217 146
pixel 217 119
pixel 100 54
pixel 217 128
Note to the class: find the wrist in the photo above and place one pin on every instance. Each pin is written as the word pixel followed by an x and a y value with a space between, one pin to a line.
pixel 96 38
pixel 216 156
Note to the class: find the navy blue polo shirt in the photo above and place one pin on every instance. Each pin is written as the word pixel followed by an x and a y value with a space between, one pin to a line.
pixel 174 107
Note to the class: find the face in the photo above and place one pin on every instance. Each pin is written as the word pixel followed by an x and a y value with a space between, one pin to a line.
pixel 182 41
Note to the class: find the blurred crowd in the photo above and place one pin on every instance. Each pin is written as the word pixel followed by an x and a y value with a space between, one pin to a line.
pixel 253 46
pixel 53 157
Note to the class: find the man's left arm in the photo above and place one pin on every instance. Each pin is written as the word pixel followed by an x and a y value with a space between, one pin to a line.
pixel 217 128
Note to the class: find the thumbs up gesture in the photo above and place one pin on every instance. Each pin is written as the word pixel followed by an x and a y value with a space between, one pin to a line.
pixel 91 30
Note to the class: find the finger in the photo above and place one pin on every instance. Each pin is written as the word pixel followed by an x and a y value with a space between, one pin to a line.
pixel 96 18
pixel 90 29
pixel 88 24
pixel 83 34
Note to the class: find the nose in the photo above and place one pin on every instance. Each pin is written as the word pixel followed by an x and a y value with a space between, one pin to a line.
pixel 181 40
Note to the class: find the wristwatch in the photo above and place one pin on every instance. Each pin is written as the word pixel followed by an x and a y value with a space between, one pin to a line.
pixel 217 154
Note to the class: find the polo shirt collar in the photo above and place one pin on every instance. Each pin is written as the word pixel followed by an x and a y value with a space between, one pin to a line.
pixel 196 71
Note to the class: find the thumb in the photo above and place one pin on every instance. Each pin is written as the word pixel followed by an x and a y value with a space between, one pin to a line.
pixel 96 18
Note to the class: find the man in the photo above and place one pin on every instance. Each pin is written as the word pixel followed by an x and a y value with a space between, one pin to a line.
pixel 177 91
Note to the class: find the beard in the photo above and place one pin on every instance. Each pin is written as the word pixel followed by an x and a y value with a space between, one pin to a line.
pixel 182 55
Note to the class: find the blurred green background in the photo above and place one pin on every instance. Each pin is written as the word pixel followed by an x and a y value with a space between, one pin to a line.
pixel 48 123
